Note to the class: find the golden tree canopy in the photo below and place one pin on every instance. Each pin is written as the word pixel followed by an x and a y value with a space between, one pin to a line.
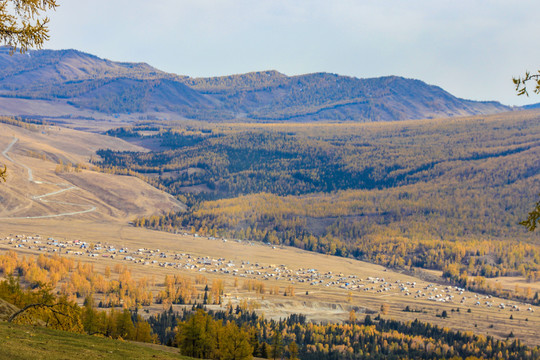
pixel 22 24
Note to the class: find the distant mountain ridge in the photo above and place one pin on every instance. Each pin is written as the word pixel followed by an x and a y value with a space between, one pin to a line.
pixel 532 106
pixel 73 81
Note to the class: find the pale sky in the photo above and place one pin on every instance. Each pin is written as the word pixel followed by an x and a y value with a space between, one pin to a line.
pixel 471 48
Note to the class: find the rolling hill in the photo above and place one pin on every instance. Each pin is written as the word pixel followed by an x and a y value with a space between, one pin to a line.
pixel 69 83
pixel 39 188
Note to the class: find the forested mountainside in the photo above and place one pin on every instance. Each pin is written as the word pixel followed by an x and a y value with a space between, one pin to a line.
pixel 440 194
pixel 84 81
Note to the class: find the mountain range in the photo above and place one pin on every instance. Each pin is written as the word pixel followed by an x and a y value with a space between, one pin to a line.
pixel 70 83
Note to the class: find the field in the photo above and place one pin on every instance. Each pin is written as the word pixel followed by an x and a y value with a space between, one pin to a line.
pixel 119 199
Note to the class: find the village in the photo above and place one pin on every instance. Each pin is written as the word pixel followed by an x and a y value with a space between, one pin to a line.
pixel 258 271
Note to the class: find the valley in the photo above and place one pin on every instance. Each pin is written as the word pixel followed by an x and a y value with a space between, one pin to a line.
pixel 387 193
pixel 252 180
pixel 326 287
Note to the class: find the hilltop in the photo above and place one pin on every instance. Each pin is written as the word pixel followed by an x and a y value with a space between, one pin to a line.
pixel 73 84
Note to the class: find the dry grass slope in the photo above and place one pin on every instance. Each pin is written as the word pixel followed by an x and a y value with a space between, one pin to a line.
pixel 116 197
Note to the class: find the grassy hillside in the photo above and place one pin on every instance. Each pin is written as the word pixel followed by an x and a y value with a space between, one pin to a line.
pixel 42 148
pixel 28 342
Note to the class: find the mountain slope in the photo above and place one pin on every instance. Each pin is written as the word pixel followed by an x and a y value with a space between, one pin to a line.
pixel 81 194
pixel 45 67
pixel 88 83
pixel 124 95
pixel 328 96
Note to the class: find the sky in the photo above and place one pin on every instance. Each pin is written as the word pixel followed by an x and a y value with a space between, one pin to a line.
pixel 471 48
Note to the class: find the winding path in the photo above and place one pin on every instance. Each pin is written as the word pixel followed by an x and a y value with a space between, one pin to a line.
pixel 66 187
pixel 30 173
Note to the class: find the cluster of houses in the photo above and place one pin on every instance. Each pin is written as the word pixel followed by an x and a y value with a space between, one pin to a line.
pixel 249 270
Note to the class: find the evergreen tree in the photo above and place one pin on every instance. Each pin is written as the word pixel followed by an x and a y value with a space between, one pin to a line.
pixel 264 351
pixel 277 345
pixel 197 336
